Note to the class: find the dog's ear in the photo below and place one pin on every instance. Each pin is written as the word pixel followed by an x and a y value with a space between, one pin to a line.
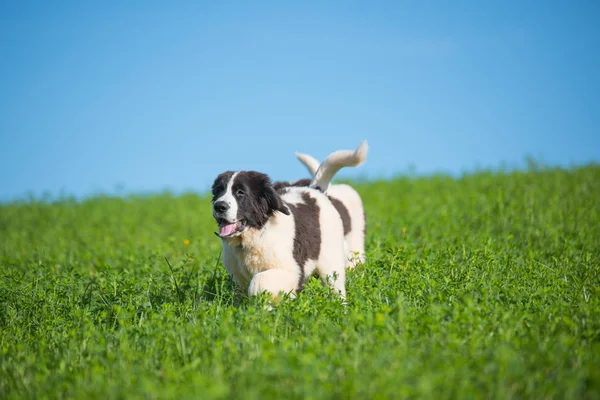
pixel 263 202
pixel 270 195
pixel 274 199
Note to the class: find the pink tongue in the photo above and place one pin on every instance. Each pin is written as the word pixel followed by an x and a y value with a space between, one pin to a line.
pixel 227 230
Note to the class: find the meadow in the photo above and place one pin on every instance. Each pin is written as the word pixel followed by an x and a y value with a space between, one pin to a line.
pixel 483 286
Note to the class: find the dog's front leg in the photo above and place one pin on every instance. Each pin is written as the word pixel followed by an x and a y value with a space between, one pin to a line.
pixel 273 281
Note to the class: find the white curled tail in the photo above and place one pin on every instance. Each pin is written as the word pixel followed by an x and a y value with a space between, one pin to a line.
pixel 336 161
pixel 311 163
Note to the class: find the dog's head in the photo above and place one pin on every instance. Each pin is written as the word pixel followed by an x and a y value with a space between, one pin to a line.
pixel 242 200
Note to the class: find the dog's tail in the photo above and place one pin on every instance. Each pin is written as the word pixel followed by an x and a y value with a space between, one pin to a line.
pixel 337 160
pixel 311 163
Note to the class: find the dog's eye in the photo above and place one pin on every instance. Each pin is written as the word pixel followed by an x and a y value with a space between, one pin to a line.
pixel 240 192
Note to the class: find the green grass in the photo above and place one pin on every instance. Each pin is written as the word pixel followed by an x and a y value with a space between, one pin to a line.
pixel 478 287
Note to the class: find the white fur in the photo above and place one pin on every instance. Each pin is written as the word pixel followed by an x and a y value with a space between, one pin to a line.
pixel 337 160
pixel 262 260
pixel 273 281
pixel 227 197
pixel 344 193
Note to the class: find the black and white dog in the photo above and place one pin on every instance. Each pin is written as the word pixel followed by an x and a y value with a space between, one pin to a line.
pixel 275 237
pixel 350 207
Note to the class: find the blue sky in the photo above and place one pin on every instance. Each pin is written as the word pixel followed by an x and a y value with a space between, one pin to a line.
pixel 153 95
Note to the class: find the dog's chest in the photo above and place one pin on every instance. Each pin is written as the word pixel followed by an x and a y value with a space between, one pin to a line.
pixel 245 262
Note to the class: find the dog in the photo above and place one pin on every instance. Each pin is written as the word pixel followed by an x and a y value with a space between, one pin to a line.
pixel 348 203
pixel 275 237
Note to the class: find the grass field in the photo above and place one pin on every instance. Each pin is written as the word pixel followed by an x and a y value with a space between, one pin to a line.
pixel 486 286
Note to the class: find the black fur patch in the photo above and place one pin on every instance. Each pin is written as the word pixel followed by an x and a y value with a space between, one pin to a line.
pixel 307 238
pixel 343 211
pixel 300 183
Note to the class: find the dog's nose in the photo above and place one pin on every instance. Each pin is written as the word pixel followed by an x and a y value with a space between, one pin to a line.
pixel 221 207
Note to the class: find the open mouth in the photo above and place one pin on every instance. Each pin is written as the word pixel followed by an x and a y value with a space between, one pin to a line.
pixel 227 229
